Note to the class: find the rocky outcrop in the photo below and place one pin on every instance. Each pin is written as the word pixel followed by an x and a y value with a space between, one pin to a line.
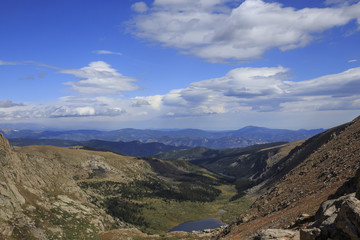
pixel 337 218
pixel 348 219
pixel 11 199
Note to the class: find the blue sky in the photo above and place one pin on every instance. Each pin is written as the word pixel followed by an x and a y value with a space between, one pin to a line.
pixel 208 64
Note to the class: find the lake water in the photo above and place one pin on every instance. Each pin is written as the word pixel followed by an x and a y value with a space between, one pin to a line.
pixel 207 223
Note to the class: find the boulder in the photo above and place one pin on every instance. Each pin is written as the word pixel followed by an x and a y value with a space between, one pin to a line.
pixel 335 219
pixel 277 234
pixel 327 213
pixel 348 219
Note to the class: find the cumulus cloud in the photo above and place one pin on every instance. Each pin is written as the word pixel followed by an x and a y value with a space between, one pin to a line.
pixel 155 102
pixel 260 90
pixel 99 78
pixel 338 85
pixel 346 103
pixel 140 103
pixel 139 7
pixel 66 107
pixel 213 31
pixel 254 88
pixel 107 52
pixel 71 106
pixel 8 104
pixel 84 111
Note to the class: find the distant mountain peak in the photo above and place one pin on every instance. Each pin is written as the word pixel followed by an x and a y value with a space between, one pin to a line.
pixel 251 127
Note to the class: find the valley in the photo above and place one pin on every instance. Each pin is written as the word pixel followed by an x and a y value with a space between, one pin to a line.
pixel 73 193
pixel 83 192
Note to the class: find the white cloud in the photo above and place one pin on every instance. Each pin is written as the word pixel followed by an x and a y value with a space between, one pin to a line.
pixel 139 7
pixel 260 90
pixel 346 103
pixel 39 64
pixel 340 2
pixel 84 111
pixel 99 78
pixel 71 106
pixel 28 63
pixel 8 104
pixel 352 60
pixel 140 102
pixel 107 52
pixel 186 5
pixel 155 102
pixel 96 80
pixel 338 85
pixel 241 87
pixel 66 107
pixel 211 30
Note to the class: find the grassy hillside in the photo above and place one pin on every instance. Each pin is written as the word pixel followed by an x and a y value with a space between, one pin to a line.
pixel 176 192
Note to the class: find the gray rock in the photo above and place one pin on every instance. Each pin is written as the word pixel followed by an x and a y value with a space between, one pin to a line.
pixel 327 212
pixel 277 234
pixel 336 219
pixel 348 220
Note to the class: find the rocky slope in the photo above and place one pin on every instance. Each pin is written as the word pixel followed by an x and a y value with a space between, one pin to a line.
pixel 300 182
pixel 39 196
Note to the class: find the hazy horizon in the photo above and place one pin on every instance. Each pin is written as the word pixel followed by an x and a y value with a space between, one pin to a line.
pixel 34 127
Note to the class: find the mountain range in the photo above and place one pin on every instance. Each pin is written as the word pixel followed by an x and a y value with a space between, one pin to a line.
pixel 132 148
pixel 244 137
